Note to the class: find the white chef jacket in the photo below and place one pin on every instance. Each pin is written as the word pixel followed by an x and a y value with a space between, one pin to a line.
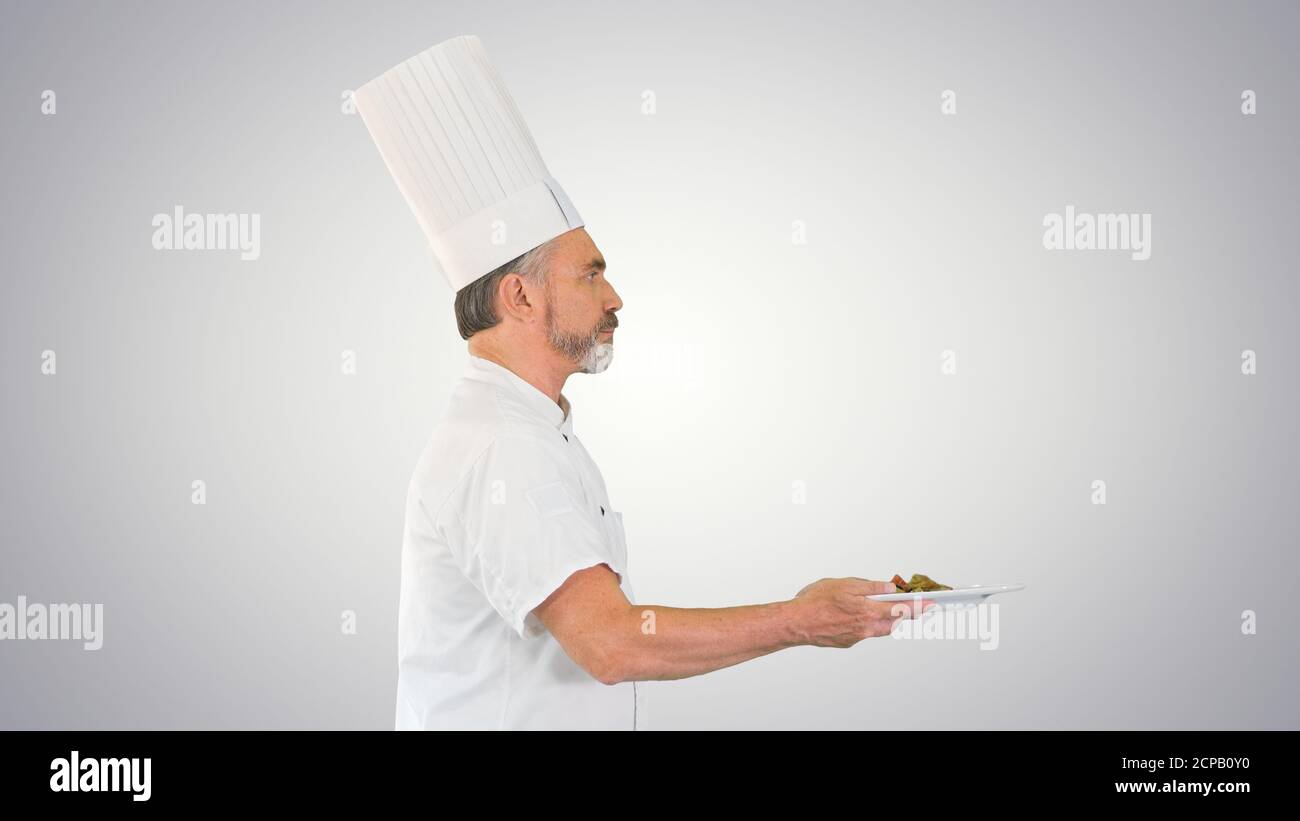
pixel 504 505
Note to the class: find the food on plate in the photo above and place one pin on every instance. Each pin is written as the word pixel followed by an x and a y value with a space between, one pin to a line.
pixel 919 584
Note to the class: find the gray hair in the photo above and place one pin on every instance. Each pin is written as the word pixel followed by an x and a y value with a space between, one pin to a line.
pixel 475 303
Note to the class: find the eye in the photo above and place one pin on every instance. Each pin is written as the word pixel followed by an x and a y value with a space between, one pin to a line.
pixel 593 274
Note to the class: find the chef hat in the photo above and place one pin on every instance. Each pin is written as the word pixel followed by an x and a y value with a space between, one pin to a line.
pixel 462 156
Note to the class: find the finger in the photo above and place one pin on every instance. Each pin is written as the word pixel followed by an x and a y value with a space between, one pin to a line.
pixel 870 587
pixel 885 627
pixel 889 610
pixel 879 627
pixel 906 609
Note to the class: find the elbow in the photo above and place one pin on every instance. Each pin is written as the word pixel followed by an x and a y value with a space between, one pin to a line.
pixel 609 664
pixel 609 678
pixel 609 672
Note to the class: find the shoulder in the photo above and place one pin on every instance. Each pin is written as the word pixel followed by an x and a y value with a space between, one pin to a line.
pixel 486 435
pixel 483 407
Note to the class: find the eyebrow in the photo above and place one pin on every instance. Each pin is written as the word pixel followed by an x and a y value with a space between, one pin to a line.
pixel 597 262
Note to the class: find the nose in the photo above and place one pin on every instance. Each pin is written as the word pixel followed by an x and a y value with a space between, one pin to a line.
pixel 614 306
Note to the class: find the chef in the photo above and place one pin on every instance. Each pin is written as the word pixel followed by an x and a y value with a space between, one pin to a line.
pixel 516 610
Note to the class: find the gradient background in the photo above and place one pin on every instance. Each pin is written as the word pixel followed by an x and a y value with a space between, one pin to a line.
pixel 744 363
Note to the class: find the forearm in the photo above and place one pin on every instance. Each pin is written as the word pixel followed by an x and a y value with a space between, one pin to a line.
pixel 660 643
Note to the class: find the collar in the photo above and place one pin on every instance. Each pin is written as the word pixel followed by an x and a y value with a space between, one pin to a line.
pixel 485 370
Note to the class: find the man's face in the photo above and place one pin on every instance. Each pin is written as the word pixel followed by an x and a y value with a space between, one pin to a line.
pixel 580 303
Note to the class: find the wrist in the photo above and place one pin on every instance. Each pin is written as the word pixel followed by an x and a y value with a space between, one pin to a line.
pixel 790 620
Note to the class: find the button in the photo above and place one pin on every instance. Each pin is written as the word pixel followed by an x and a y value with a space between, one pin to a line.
pixel 602 510
pixel 566 436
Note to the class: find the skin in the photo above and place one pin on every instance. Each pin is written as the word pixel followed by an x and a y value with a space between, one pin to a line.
pixel 580 303
pixel 546 334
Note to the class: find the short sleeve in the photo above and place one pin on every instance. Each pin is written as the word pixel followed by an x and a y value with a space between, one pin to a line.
pixel 518 528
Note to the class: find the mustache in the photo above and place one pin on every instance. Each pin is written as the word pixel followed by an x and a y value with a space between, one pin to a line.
pixel 610 325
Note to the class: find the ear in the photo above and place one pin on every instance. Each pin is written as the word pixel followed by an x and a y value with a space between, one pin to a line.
pixel 514 299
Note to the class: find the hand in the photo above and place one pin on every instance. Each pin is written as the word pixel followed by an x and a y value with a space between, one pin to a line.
pixel 837 612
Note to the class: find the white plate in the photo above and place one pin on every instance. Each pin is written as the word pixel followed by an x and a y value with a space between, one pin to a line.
pixel 967 596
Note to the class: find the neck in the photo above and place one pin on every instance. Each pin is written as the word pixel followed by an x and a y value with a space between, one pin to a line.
pixel 534 367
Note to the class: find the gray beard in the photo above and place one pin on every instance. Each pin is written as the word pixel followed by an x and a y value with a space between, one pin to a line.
pixel 586 350
pixel 598 358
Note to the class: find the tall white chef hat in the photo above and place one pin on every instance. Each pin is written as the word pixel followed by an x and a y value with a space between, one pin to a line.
pixel 462 156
